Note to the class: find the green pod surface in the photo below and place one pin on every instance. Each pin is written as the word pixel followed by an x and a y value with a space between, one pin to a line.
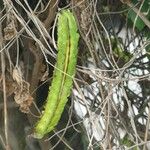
pixel 63 74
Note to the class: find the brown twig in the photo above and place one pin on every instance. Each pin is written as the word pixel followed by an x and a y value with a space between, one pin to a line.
pixel 49 13
pixel 4 90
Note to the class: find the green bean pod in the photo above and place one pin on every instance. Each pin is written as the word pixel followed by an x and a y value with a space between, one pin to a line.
pixel 63 74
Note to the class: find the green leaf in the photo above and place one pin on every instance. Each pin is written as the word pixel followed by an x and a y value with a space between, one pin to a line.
pixel 139 24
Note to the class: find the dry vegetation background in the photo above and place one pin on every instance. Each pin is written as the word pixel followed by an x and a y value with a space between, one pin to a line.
pixel 109 105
